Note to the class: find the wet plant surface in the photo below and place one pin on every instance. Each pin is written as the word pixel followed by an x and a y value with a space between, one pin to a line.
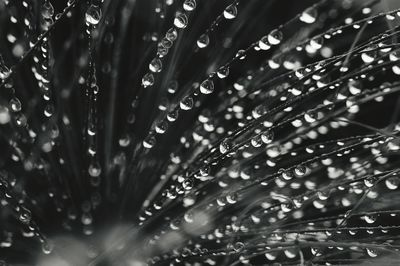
pixel 197 132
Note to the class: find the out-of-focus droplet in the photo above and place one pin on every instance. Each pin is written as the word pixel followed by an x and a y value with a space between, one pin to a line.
pixel 94 169
pixel 4 115
pixel 47 247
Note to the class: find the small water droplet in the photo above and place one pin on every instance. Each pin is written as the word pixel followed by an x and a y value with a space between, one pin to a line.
pixel 225 146
pixel 370 218
pixel 275 37
pixel 25 215
pixel 161 127
pixel 203 41
pixel 230 12
pixel 149 142
pixel 372 253
pixel 264 44
pixel 48 110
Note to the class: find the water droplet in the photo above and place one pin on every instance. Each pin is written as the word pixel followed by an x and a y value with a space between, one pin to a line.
pixel 309 15
pixel 225 146
pixel 188 184
pixel 181 21
pixel 203 41
pixel 48 110
pixel 205 170
pixel 186 103
pixel 25 215
pixel 149 142
pixel 355 87
pixel 392 183
pixel 267 137
pixel 230 12
pixel 223 72
pixel 264 44
pixel 368 56
pixel 4 71
pixel 394 56
pixel 161 127
pixel 15 105
pixel 207 86
pixel 148 80
pixel 300 170
pixel 47 247
pixel 155 65
pixel 189 5
pixel 372 253
pixel 370 218
pixel 173 115
pixel 256 141
pixel 275 37
pixel 171 34
pixel 93 15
